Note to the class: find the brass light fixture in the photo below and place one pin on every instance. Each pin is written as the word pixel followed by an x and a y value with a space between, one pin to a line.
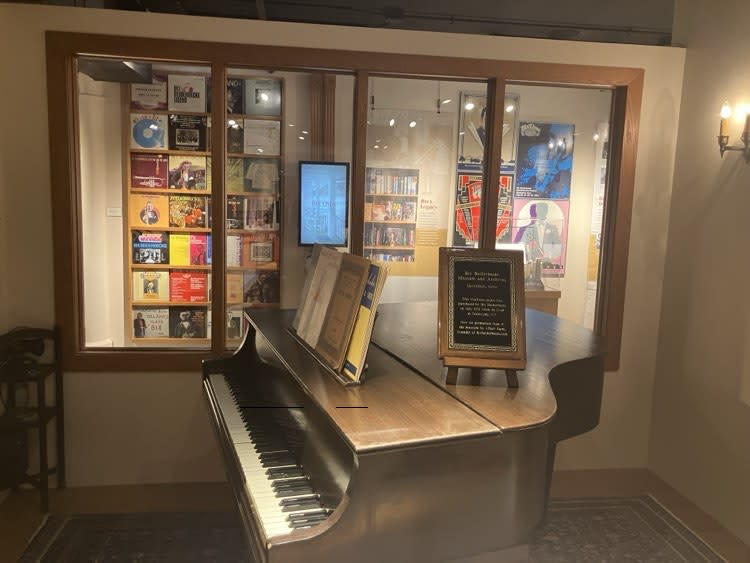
pixel 724 146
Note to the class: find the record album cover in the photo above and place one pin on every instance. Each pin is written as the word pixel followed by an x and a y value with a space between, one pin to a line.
pixel 187 211
pixel 148 131
pixel 151 285
pixel 149 210
pixel 188 172
pixel 148 170
pixel 262 137
pixel 235 95
pixel 150 247
pixel 262 97
pixel 150 322
pixel 187 93
pixel 187 132
pixel 150 96
pixel 187 322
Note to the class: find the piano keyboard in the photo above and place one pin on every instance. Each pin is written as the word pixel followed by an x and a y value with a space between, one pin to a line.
pixel 280 489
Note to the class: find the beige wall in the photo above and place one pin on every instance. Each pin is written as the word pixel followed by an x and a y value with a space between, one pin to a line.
pixel 96 407
pixel 700 440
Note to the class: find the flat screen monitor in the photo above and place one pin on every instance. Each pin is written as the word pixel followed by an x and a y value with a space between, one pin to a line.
pixel 323 203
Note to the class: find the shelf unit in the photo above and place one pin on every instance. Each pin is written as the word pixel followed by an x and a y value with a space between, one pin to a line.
pixel 28 358
pixel 168 221
pixel 391 202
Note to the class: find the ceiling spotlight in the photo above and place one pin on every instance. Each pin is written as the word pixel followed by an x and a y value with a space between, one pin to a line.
pixel 446 101
pixel 469 106
pixel 236 126
pixel 596 136
pixel 551 145
pixel 385 146
pixel 412 124
pixel 560 143
pixel 260 150
pixel 509 108
pixel 232 122
pixel 301 138
pixel 291 125
pixel 376 146
pixel 392 122
pixel 305 132
pixel 461 133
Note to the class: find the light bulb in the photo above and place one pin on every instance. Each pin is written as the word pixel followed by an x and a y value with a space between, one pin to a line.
pixel 726 111
pixel 392 122
pixel 469 106
pixel 446 101
pixel 596 136
pixel 305 132
pixel 301 138
pixel 376 146
pixel 412 124
pixel 509 108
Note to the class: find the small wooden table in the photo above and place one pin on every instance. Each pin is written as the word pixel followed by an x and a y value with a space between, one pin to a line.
pixel 544 301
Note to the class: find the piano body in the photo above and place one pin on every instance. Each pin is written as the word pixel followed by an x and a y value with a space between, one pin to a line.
pixel 403 467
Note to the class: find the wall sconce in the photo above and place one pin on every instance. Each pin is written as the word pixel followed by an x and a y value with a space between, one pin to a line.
pixel 724 146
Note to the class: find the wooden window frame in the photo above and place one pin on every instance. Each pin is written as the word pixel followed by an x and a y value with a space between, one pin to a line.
pixel 62 48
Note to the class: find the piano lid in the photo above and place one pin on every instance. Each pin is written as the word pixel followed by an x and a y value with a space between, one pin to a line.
pixel 395 407
pixel 409 332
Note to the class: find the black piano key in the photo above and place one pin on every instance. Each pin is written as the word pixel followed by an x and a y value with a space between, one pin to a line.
pixel 279 463
pixel 284 472
pixel 290 483
pixel 298 492
pixel 302 504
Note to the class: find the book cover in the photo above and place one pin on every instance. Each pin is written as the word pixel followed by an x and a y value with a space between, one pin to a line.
pixel 187 322
pixel 310 265
pixel 148 131
pixel 188 287
pixel 150 96
pixel 187 172
pixel 152 285
pixel 260 248
pixel 319 295
pixel 187 132
pixel 333 341
pixel 262 175
pixel 187 93
pixel 234 324
pixel 198 250
pixel 179 249
pixel 261 213
pixel 235 175
pixel 356 354
pixel 262 137
pixel 149 210
pixel 262 96
pixel 187 211
pixel 378 212
pixel 234 287
pixel 149 322
pixel 236 206
pixel 148 170
pixel 234 251
pixel 235 137
pixel 261 287
pixel 235 95
pixel 150 247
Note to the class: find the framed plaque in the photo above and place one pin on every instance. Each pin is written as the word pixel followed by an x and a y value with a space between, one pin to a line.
pixel 481 311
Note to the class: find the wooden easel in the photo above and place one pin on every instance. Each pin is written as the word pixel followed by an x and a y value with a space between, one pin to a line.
pixel 511 373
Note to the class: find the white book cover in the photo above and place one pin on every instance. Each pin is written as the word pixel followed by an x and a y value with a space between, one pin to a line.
pixel 187 93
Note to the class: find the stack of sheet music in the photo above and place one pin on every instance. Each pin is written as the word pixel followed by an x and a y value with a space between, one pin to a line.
pixel 337 309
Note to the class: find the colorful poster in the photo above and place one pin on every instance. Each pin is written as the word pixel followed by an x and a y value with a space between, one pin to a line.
pixel 545 160
pixel 541 226
pixel 468 209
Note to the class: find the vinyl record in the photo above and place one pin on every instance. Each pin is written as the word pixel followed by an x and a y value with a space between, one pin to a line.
pixel 148 134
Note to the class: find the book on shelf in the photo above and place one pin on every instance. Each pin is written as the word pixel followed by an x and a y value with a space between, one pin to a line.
pixel 356 354
pixel 188 211
pixel 236 138
pixel 261 287
pixel 150 96
pixel 262 137
pixel 260 248
pixel 188 322
pixel 187 172
pixel 188 132
pixel 234 251
pixel 262 96
pixel 236 208
pixel 148 131
pixel 391 181
pixel 148 170
pixel 149 210
pixel 261 213
pixel 186 93
pixel 188 287
pixel 235 95
pixel 234 287
pixel 152 285
pixel 150 322
pixel 149 247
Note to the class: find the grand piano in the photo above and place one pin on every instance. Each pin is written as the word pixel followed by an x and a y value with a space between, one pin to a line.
pixel 403 467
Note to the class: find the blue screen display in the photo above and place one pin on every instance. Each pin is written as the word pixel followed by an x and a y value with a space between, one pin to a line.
pixel 323 203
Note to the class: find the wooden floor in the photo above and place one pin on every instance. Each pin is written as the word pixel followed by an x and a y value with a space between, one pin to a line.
pixel 20 515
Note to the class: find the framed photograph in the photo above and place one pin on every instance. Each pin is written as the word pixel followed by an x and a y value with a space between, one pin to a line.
pixel 481 315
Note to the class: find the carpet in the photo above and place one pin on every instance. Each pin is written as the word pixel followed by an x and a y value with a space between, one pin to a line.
pixel 581 530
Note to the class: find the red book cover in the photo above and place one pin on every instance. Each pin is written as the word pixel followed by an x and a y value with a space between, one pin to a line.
pixel 188 287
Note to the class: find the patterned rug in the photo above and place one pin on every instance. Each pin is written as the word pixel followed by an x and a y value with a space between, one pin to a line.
pixel 583 530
